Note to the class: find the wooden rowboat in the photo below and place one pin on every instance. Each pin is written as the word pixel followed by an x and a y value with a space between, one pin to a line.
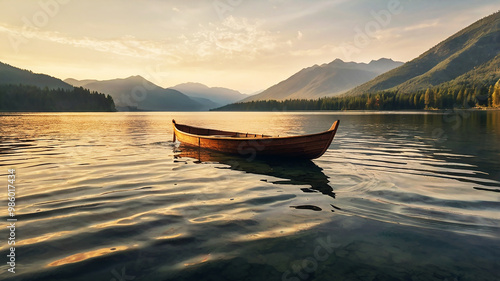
pixel 305 146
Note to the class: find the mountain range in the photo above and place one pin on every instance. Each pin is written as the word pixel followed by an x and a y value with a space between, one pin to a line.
pixel 325 80
pixel 218 95
pixel 468 58
pixel 471 56
pixel 132 93
pixel 137 93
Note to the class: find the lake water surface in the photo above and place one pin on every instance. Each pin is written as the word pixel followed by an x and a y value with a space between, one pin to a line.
pixel 109 196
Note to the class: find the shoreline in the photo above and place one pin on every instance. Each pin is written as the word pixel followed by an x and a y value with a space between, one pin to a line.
pixel 277 111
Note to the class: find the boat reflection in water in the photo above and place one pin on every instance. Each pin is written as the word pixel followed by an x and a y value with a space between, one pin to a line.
pixel 302 172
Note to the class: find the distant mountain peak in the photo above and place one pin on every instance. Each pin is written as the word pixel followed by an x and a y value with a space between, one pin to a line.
pixel 336 62
pixel 219 95
pixel 193 84
pixel 381 60
pixel 136 78
pixel 329 79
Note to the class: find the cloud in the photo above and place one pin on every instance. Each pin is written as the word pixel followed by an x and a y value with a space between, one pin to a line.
pixel 125 46
pixel 230 38
pixel 423 25
pixel 299 35
pixel 252 37
pixel 233 37
pixel 324 50
pixel 305 11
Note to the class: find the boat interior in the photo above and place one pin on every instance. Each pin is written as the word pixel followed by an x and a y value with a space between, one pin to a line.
pixel 217 133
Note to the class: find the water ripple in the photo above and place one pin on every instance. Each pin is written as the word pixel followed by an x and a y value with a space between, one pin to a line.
pixel 124 194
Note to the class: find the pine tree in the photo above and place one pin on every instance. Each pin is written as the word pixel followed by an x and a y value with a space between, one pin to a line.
pixel 460 97
pixel 465 99
pixel 427 98
pixel 495 97
pixel 421 101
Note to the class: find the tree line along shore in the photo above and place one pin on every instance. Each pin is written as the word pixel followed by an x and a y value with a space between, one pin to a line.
pixel 27 98
pixel 479 96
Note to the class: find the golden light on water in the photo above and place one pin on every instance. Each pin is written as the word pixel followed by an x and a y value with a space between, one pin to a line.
pixel 86 255
pixel 166 237
pixel 133 197
pixel 198 260
pixel 276 232
pixel 44 237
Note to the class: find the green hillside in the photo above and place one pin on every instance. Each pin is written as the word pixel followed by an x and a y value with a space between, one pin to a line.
pixel 23 90
pixel 13 75
pixel 470 57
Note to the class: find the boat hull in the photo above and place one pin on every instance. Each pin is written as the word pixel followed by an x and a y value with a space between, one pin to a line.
pixel 252 145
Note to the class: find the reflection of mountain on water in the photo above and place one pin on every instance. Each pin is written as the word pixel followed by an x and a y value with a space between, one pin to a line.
pixel 303 172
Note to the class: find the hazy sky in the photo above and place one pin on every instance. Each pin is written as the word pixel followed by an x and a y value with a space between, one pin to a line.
pixel 247 45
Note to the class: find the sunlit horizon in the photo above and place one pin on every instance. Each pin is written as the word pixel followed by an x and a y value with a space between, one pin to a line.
pixel 243 45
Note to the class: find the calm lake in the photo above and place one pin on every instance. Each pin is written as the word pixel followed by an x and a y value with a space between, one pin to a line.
pixel 109 196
